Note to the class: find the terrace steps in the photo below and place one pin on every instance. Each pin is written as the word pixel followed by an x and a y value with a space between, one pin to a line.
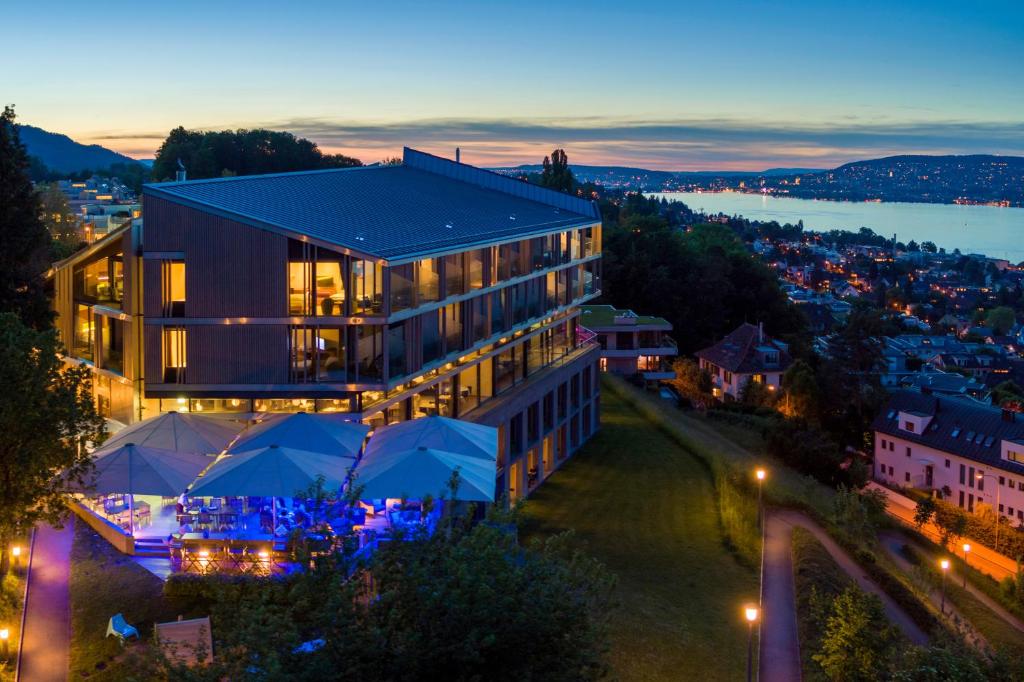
pixel 152 547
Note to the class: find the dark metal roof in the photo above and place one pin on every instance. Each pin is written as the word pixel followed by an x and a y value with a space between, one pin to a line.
pixel 738 352
pixel 954 415
pixel 425 205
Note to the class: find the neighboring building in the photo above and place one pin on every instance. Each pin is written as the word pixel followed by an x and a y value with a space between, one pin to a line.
pixel 969 452
pixel 99 220
pixel 630 343
pixel 747 354
pixel 388 292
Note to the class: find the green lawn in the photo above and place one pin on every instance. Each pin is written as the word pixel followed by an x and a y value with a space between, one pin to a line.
pixel 646 507
pixel 729 447
pixel 105 582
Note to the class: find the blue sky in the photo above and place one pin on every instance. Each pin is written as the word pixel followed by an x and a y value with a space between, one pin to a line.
pixel 678 85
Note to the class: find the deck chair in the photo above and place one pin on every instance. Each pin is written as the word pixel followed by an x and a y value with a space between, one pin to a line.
pixel 120 628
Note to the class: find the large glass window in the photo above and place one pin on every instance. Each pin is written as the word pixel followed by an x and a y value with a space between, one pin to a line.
pixel 479 315
pixel 454 275
pixel 173 299
pixel 174 354
pixel 397 365
pixel 504 370
pixel 401 287
pixel 303 354
pixel 331 361
pixel 551 291
pixel 300 278
pixel 475 266
pixel 369 352
pixel 112 344
pixel 498 311
pixel 428 281
pixel 330 286
pixel 85 332
pixel 431 336
pixel 453 327
pixel 367 287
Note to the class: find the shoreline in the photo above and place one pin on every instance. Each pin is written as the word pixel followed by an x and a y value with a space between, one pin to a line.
pixel 772 195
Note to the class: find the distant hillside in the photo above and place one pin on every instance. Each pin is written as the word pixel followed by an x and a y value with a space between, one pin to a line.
pixel 978 178
pixel 61 153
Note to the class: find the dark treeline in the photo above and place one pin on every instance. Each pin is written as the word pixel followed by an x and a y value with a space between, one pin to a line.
pixel 214 154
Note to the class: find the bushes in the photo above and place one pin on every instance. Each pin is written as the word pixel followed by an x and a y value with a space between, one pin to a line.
pixel 737 508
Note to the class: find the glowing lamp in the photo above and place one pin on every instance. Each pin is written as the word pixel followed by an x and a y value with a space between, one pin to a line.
pixel 16 551
pixel 944 564
pixel 967 547
pixel 5 634
pixel 750 613
pixel 761 473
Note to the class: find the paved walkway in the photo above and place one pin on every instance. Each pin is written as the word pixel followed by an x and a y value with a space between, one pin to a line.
pixel 779 660
pixel 780 640
pixel 47 637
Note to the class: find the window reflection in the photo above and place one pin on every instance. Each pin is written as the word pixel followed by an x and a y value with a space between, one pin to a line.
pixel 367 287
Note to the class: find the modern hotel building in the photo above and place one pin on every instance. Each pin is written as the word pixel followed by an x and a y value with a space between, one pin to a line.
pixel 388 292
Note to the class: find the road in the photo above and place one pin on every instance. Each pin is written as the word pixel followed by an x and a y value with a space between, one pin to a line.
pixel 46 639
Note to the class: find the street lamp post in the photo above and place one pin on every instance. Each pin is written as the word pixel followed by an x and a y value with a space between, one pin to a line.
pixel 751 614
pixel 761 474
pixel 967 548
pixel 944 565
pixel 999 514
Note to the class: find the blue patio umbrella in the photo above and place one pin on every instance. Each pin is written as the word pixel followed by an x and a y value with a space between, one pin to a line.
pixel 326 433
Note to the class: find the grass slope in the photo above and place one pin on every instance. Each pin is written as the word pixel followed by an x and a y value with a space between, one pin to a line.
pixel 105 582
pixel 646 507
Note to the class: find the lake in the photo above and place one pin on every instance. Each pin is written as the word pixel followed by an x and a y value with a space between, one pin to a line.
pixel 993 231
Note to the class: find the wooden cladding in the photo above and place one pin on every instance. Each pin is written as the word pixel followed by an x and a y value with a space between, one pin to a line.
pixel 234 270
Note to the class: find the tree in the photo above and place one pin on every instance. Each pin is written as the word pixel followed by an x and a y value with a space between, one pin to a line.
pixel 755 394
pixel 800 392
pixel 213 154
pixel 692 382
pixel 859 642
pixel 24 241
pixel 1007 393
pixel 924 512
pixel 465 603
pixel 1001 319
pixel 47 414
pixel 556 174
pixel 952 522
pixel 64 226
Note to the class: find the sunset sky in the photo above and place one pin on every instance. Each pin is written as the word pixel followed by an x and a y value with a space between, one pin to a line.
pixel 673 85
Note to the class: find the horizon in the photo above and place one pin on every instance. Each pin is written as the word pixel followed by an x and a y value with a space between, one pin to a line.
pixel 803 85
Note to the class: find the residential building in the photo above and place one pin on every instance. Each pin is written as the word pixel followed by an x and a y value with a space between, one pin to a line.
pixel 630 343
pixel 969 452
pixel 746 354
pixel 388 292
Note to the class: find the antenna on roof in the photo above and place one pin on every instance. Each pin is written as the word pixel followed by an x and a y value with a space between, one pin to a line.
pixel 458 155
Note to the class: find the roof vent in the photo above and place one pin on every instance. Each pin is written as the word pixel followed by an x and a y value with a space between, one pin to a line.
pixel 180 174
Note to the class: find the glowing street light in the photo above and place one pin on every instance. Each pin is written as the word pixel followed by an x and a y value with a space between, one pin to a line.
pixel 751 613
pixel 944 565
pixel 761 474
pixel 967 548
pixel 5 635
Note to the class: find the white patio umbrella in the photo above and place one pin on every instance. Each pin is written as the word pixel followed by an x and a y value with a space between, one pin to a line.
pixel 180 433
pixel 326 433
pixel 272 471
pixel 131 469
pixel 421 471
pixel 439 433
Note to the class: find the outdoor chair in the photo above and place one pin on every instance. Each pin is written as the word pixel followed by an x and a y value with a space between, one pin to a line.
pixel 119 627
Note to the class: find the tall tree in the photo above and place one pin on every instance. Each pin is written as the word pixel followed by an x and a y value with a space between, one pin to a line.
pixel 47 413
pixel 24 240
pixel 557 174
pixel 214 154
pixel 64 226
